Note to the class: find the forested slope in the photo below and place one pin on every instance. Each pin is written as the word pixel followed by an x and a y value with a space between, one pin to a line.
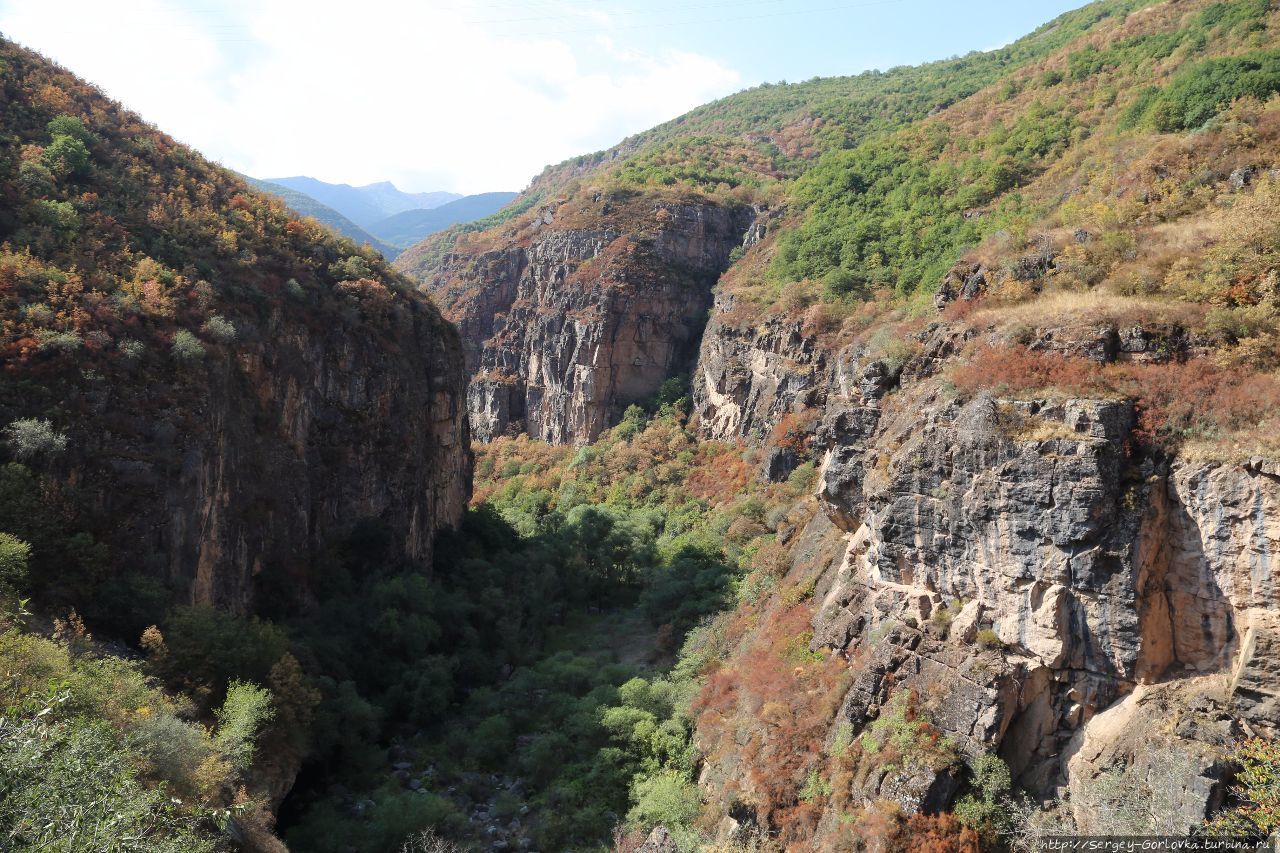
pixel 200 394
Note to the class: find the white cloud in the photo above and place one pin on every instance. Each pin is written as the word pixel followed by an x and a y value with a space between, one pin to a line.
pixel 431 97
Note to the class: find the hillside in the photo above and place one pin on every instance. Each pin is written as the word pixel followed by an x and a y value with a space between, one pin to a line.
pixel 993 344
pixel 198 394
pixel 744 153
pixel 410 226
pixel 881 463
pixel 305 205
pixel 367 204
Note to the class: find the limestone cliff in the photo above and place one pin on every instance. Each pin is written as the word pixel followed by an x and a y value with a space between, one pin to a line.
pixel 1044 591
pixel 214 476
pixel 583 311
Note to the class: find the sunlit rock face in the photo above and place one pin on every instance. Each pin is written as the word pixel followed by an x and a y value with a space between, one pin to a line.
pixel 564 329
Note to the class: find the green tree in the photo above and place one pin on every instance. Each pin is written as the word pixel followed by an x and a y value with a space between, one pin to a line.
pixel 246 710
pixel 14 554
pixel 31 437
pixel 665 798
pixel 987 808
pixel 64 156
pixel 65 125
pixel 187 347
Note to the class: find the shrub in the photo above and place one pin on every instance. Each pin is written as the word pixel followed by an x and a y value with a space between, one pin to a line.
pixel 71 785
pixel 13 561
pixel 30 437
pixel 492 740
pixel 186 347
pixel 666 798
pixel 906 736
pixel 988 809
pixel 427 841
pixel 988 639
pixel 1175 402
pixel 814 787
pixel 220 329
pixel 59 341
pixel 246 710
pixel 1255 809
pixel 174 749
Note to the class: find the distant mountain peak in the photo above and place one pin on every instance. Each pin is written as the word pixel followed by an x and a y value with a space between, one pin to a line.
pixel 365 205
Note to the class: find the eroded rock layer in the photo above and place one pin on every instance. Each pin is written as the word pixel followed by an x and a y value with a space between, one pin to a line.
pixel 569 325
pixel 1043 590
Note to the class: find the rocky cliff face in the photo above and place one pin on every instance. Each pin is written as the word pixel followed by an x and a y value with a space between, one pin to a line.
pixel 585 313
pixel 1045 593
pixel 748 379
pixel 240 469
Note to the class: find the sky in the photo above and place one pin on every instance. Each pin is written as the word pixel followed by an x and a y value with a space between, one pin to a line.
pixel 470 95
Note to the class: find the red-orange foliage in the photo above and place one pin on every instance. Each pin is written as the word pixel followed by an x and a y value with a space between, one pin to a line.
pixel 795 429
pixel 720 477
pixel 940 833
pixel 1018 370
pixel 882 828
pixel 1176 400
pixel 785 700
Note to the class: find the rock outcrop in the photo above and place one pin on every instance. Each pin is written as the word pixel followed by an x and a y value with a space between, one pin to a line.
pixel 749 379
pixel 568 325
pixel 219 476
pixel 1012 564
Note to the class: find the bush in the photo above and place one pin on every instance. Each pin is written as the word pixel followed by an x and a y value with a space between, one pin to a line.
pixel 492 741
pixel 71 785
pixel 31 437
pixel 1255 809
pixel 666 798
pixel 59 341
pixel 186 347
pixel 174 749
pixel 246 710
pixel 13 562
pixel 988 809
pixel 220 329
pixel 988 639
pixel 427 841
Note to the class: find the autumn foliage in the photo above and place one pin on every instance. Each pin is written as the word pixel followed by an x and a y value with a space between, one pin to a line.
pixel 1176 401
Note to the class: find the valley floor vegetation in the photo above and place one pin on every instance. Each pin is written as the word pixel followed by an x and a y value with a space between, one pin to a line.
pixel 539 688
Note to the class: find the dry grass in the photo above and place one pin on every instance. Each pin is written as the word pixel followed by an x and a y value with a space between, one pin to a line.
pixel 1088 308
pixel 1033 428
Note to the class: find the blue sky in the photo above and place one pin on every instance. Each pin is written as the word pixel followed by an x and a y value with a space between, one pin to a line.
pixel 470 95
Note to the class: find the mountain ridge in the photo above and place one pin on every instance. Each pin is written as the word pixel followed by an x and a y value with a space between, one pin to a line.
pixel 308 206
pixel 411 226
pixel 365 204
